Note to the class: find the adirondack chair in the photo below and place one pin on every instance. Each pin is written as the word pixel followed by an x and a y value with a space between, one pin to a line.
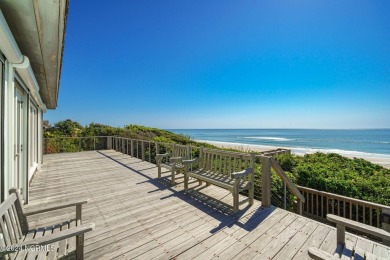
pixel 351 253
pixel 20 241
pixel 173 160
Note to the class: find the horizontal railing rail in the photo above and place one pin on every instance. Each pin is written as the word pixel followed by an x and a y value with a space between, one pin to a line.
pixel 320 203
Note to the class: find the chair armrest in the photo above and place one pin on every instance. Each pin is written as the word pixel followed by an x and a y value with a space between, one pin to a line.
pixel 161 155
pixel 318 254
pixel 377 232
pixel 52 238
pixel 240 174
pixel 188 162
pixel 32 210
pixel 175 159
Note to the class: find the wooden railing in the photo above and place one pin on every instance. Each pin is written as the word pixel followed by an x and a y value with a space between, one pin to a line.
pixel 320 203
pixel 147 150
pixel 74 144
pixel 310 202
pixel 268 163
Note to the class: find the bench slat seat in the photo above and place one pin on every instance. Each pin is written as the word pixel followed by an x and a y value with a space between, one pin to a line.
pixel 220 180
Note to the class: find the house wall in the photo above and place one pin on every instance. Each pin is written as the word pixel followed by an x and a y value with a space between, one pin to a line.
pixel 21 132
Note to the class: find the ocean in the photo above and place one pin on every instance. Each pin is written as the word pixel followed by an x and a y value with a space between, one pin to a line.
pixel 359 143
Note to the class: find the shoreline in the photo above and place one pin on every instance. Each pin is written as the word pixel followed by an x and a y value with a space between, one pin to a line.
pixel 380 159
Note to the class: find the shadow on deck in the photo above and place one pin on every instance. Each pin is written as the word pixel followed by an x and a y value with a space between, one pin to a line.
pixel 139 216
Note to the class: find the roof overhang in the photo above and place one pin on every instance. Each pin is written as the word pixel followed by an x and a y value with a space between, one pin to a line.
pixel 38 27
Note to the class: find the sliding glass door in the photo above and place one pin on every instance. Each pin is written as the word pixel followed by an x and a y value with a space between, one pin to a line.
pixel 18 178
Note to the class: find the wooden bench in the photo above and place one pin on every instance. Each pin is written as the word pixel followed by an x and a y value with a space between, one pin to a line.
pixel 20 241
pixel 173 160
pixel 229 170
pixel 352 253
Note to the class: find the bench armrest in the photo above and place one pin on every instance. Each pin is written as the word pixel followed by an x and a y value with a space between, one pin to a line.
pixel 188 162
pixel 243 173
pixel 318 254
pixel 32 210
pixel 377 232
pixel 52 238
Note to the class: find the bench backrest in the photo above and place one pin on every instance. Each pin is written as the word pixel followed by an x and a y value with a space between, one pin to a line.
pixel 224 162
pixel 13 222
pixel 181 151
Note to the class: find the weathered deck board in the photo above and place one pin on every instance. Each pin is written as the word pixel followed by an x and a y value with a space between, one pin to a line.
pixel 139 217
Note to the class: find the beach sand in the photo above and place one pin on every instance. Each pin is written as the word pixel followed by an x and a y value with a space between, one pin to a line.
pixel 377 159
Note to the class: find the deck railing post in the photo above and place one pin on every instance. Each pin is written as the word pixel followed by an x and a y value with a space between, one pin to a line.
pixel 285 194
pixel 266 181
pixel 299 207
pixel 131 148
pixel 188 152
pixel 150 154
pixel 143 150
pixel 252 179
pixel 386 223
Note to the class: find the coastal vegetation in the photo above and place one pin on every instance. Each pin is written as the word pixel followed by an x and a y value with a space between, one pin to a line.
pixel 356 178
pixel 69 128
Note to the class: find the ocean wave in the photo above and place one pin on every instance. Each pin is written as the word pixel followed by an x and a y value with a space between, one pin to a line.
pixel 311 140
pixel 347 153
pixel 306 150
pixel 270 138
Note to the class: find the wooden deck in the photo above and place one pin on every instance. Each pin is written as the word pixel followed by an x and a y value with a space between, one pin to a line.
pixel 138 216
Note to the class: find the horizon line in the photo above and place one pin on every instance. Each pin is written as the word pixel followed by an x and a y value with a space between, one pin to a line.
pixel 271 128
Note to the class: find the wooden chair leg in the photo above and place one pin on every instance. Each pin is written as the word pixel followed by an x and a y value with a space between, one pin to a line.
pixel 173 180
pixel 235 196
pixel 80 247
pixel 186 177
pixel 340 234
pixel 235 202
pixel 251 194
pixel 200 182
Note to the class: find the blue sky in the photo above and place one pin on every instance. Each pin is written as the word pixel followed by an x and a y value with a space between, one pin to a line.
pixel 227 64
